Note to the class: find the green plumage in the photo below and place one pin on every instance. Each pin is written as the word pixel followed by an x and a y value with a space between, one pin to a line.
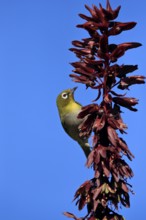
pixel 68 110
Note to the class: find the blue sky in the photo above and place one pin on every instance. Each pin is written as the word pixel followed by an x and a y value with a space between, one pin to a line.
pixel 40 166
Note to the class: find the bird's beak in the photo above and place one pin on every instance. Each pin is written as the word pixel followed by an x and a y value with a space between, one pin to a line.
pixel 73 89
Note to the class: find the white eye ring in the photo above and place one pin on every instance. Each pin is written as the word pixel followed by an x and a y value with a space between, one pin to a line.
pixel 64 95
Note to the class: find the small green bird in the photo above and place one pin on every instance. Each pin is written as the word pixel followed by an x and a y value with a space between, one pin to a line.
pixel 68 110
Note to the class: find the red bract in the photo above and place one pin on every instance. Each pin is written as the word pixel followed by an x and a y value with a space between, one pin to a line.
pixel 116 122
pixel 126 102
pixel 131 80
pixel 120 50
pixel 118 27
pixel 98 69
pixel 70 215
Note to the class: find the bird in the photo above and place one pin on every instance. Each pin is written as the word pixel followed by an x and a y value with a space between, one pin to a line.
pixel 68 110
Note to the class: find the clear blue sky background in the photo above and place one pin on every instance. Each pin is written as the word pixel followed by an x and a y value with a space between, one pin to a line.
pixel 40 166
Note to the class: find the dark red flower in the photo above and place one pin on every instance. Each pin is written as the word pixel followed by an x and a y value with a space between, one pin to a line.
pixel 109 188
pixel 121 48
pixel 70 215
pixel 131 80
pixel 118 27
pixel 116 122
pixel 126 102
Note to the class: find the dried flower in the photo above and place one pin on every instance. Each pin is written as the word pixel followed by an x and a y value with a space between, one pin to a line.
pixel 98 69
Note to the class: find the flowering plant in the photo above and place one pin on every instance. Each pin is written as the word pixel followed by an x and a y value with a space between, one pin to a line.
pixel 98 69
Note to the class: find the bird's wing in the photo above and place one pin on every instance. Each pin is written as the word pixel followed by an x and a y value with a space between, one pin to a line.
pixel 70 125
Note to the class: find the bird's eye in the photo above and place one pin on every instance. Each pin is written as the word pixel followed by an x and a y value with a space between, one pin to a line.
pixel 64 95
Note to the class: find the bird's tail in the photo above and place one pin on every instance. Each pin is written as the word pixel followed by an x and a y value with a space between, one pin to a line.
pixel 85 147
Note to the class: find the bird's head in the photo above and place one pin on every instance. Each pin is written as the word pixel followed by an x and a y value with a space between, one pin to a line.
pixel 66 97
pixel 65 101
